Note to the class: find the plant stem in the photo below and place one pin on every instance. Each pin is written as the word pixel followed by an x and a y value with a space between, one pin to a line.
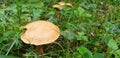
pixel 10 48
pixel 19 10
pixel 40 50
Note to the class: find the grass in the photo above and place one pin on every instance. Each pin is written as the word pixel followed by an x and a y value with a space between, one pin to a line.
pixel 88 30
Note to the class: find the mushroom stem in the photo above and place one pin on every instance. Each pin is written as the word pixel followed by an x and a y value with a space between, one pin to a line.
pixel 40 50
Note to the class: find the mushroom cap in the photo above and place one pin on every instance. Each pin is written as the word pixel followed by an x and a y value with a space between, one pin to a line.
pixel 61 3
pixel 59 7
pixel 69 4
pixel 40 32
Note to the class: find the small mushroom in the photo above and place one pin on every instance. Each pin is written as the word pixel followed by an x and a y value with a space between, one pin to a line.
pixel 58 7
pixel 61 4
pixel 69 4
pixel 39 33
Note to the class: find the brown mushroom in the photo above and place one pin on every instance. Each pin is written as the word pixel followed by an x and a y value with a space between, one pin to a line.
pixel 39 33
pixel 69 4
pixel 61 4
pixel 58 7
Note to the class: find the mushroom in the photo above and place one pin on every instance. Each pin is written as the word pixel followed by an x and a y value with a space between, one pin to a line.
pixel 39 33
pixel 58 7
pixel 60 4
pixel 69 4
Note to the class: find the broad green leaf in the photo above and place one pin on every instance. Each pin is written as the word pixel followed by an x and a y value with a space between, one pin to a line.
pixel 76 55
pixel 81 36
pixel 12 7
pixel 87 15
pixel 98 55
pixel 112 44
pixel 87 55
pixel 1 1
pixel 50 14
pixel 79 11
pixel 68 34
pixel 36 13
pixel 118 40
pixel 85 52
pixel 106 37
pixel 92 5
pixel 118 52
pixel 51 19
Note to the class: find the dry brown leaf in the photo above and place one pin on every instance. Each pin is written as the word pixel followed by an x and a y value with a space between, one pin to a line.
pixel 40 32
